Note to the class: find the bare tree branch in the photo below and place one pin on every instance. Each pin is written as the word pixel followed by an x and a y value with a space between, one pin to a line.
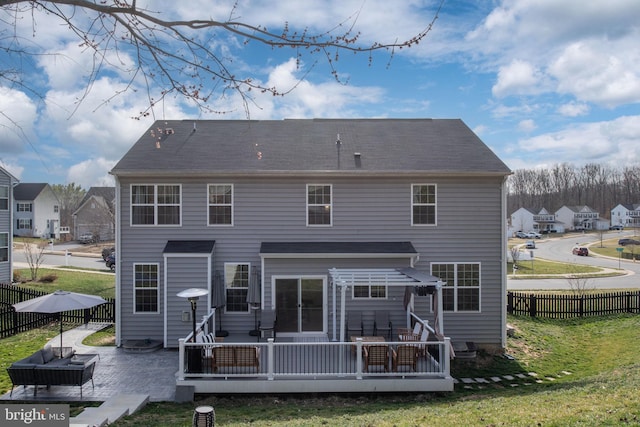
pixel 178 56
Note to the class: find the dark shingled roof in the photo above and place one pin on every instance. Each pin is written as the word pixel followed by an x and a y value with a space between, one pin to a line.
pixel 337 248
pixel 306 146
pixel 189 247
pixel 28 191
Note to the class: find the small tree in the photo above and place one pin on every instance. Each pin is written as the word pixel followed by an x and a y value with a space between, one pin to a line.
pixel 579 284
pixel 515 255
pixel 34 253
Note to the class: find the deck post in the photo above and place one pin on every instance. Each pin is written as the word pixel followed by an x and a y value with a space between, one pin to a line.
pixel 270 361
pixel 181 359
pixel 359 358
pixel 447 347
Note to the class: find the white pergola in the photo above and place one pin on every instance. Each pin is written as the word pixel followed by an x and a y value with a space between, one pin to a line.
pixel 391 277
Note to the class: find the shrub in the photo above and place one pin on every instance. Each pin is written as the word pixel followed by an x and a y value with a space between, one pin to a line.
pixel 49 278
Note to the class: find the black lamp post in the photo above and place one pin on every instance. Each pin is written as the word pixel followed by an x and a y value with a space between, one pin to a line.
pixel 193 353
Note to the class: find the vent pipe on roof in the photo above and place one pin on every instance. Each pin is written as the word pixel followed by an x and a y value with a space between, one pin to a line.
pixel 338 144
pixel 194 127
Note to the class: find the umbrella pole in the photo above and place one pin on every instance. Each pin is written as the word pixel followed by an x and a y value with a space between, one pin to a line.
pixel 60 316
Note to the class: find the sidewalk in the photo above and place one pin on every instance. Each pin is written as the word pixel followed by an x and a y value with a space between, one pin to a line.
pixel 117 372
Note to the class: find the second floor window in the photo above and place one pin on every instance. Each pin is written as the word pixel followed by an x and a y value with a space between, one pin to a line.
pixel 236 280
pixel 220 204
pixel 25 207
pixel 4 198
pixel 423 204
pixel 319 204
pixel 155 204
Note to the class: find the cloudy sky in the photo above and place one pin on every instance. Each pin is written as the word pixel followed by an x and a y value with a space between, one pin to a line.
pixel 540 81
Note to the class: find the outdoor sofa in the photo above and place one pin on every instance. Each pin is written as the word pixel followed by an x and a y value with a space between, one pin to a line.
pixel 45 367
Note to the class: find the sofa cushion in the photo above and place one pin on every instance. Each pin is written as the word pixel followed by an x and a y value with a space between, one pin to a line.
pixel 47 354
pixel 23 365
pixel 35 358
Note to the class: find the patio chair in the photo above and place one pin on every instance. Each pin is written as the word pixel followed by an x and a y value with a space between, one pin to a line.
pixel 354 323
pixel 405 355
pixel 382 323
pixel 406 334
pixel 376 355
pixel 424 337
pixel 267 323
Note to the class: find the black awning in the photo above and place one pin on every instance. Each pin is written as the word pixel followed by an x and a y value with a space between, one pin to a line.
pixel 189 247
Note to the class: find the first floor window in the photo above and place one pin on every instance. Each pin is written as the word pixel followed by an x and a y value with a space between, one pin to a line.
pixel 461 291
pixel 146 288
pixel 24 223
pixel 369 292
pixel 4 247
pixel 236 283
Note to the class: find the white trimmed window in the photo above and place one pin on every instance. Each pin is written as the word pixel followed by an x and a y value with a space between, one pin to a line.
pixel 461 292
pixel 24 223
pixel 423 204
pixel 220 203
pixel 4 198
pixel 369 292
pixel 25 207
pixel 319 205
pixel 146 288
pixel 156 204
pixel 236 283
pixel 4 247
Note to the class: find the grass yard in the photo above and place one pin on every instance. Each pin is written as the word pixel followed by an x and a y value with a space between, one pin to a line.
pixel 90 283
pixel 600 353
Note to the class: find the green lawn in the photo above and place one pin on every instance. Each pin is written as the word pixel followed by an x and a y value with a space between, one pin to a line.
pixel 602 389
pixel 87 282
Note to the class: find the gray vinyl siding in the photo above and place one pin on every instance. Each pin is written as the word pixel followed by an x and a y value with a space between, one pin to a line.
pixel 469 229
pixel 6 227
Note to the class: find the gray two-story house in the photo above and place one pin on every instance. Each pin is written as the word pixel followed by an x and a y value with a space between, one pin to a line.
pixel 280 205
pixel 7 181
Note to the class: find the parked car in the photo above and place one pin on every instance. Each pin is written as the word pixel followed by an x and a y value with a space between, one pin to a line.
pixel 521 235
pixel 580 250
pixel 625 242
pixel 616 227
pixel 86 238
pixel 111 261
pixel 533 235
pixel 530 244
pixel 107 251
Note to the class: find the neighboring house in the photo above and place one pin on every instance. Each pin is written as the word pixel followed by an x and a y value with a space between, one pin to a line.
pixel 525 219
pixel 36 211
pixel 95 214
pixel 7 181
pixel 578 218
pixel 627 215
pixel 225 205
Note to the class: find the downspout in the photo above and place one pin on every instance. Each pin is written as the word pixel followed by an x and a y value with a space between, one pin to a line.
pixel 503 265
pixel 118 264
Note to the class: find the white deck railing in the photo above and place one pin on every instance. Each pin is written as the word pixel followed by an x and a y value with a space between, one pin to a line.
pixel 307 360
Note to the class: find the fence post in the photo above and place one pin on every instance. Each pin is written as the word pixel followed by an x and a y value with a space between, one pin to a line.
pixel 532 305
pixel 581 305
pixel 510 302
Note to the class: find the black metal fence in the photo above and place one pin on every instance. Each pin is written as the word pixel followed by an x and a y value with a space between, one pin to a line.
pixel 12 323
pixel 564 306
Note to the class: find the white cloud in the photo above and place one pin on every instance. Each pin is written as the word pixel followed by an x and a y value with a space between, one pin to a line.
pixel 605 141
pixel 527 125
pixel 18 114
pixel 573 109
pixel 92 172
pixel 518 78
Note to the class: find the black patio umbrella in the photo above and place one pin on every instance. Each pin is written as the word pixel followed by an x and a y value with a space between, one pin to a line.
pixel 58 302
pixel 219 300
pixel 253 298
